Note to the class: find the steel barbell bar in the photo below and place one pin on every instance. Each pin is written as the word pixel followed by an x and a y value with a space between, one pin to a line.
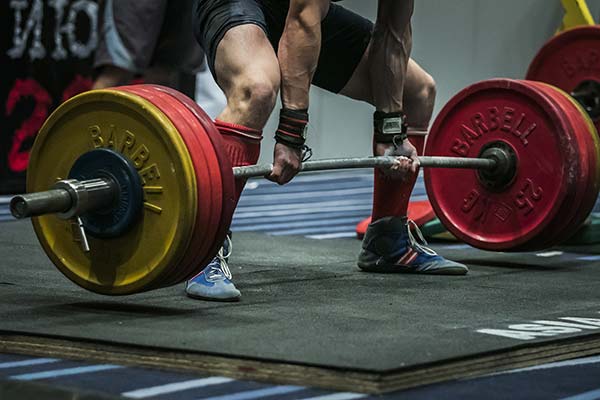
pixel 369 162
pixel 69 198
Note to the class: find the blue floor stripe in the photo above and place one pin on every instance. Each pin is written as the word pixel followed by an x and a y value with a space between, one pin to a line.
pixel 295 206
pixel 323 202
pixel 310 231
pixel 591 395
pixel 589 258
pixel 349 184
pixel 270 200
pixel 323 222
pixel 300 213
pixel 308 217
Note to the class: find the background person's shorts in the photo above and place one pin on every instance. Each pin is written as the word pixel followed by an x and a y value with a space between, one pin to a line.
pixel 138 34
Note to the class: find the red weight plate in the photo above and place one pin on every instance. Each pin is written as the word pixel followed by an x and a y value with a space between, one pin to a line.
pixel 593 186
pixel 207 175
pixel 570 213
pixel 514 114
pixel 200 256
pixel 206 235
pixel 569 59
pixel 420 212
pixel 583 195
pixel 229 202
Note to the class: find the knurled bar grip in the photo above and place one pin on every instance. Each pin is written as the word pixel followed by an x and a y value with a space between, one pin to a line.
pixel 369 162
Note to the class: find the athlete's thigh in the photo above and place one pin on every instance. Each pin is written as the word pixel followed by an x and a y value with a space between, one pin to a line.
pixel 233 34
pixel 345 38
pixel 245 53
pixel 360 86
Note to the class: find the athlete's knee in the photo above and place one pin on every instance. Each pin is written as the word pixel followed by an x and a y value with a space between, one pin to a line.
pixel 426 92
pixel 255 94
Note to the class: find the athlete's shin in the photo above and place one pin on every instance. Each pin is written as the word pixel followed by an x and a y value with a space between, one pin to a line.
pixel 391 195
pixel 242 145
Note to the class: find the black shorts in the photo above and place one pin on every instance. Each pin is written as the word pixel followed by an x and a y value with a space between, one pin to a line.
pixel 345 35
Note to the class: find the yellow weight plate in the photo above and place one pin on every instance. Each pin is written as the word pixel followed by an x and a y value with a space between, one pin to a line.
pixel 133 126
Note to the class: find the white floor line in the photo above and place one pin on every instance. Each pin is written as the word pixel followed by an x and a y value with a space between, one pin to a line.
pixel 175 387
pixel 338 235
pixel 550 254
pixel 338 396
pixel 64 372
pixel 257 394
pixel 27 363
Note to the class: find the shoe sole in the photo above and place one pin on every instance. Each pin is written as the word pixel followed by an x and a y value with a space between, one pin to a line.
pixel 406 270
pixel 224 300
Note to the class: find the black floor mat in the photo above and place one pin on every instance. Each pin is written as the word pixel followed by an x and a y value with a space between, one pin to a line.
pixel 305 304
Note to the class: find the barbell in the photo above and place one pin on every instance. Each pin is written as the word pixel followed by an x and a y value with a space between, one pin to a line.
pixel 130 188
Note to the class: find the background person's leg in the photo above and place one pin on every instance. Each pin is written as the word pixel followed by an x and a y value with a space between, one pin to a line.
pixel 129 30
pixel 110 76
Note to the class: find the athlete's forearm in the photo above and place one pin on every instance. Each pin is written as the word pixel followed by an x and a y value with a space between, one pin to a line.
pixel 389 53
pixel 299 50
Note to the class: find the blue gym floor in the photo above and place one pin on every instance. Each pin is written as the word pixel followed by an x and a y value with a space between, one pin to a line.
pixel 319 206
pixel 574 380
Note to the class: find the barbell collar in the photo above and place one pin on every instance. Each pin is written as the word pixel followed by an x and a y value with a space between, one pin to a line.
pixel 370 162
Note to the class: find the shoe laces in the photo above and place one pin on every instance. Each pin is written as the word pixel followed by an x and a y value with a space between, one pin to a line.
pixel 421 243
pixel 219 268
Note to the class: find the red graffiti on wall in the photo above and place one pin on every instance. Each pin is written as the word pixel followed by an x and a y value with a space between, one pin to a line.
pixel 18 156
pixel 22 89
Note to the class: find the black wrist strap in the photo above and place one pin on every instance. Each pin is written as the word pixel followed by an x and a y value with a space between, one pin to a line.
pixel 292 127
pixel 390 127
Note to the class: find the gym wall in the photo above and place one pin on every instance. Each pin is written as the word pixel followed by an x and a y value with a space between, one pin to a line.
pixel 458 42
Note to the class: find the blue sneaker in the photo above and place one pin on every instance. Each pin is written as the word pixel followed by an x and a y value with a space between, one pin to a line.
pixel 390 246
pixel 214 282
